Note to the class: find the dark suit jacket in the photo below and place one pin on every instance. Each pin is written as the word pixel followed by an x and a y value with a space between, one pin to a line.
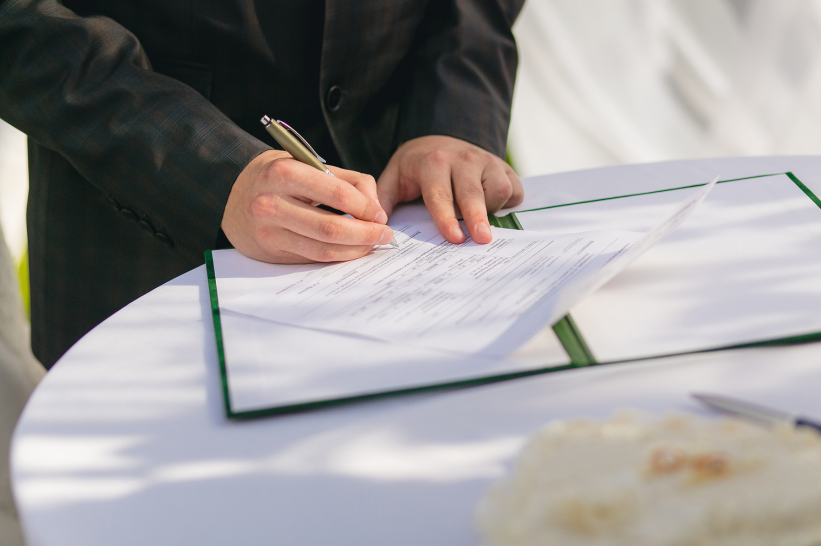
pixel 141 114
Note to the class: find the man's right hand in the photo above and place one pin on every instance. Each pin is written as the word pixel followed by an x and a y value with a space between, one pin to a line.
pixel 269 215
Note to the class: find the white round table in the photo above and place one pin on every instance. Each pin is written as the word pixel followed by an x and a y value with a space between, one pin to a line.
pixel 125 441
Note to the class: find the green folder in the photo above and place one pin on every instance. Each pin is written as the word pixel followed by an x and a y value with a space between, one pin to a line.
pixel 569 334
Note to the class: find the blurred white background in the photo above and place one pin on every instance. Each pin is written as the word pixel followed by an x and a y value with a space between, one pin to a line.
pixel 13 189
pixel 603 82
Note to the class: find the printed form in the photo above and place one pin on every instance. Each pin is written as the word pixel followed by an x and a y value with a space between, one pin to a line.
pixel 466 298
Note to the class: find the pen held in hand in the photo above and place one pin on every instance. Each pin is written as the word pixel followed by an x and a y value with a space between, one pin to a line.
pixel 293 143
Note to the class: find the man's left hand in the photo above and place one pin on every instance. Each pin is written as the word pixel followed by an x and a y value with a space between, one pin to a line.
pixel 451 175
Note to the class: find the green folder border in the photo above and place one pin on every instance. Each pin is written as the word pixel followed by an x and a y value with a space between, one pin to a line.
pixel 566 330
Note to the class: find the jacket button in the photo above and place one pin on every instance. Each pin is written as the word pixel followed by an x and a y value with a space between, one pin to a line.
pixel 130 214
pixel 164 239
pixel 334 98
pixel 146 225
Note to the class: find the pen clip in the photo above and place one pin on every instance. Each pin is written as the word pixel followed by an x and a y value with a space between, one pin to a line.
pixel 305 142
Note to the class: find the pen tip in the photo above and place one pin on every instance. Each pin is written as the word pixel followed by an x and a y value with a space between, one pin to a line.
pixel 394 244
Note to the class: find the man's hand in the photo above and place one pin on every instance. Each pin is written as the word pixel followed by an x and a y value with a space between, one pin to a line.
pixel 269 216
pixel 451 175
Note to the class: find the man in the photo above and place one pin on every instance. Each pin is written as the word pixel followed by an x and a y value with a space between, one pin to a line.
pixel 145 147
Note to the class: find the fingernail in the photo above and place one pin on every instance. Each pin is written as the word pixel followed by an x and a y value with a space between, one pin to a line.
pixel 380 217
pixel 387 235
pixel 456 232
pixel 483 229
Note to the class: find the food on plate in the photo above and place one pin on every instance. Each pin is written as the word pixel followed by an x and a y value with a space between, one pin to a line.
pixel 676 480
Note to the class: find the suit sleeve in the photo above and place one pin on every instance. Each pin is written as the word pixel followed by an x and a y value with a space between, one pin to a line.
pixel 83 87
pixel 464 68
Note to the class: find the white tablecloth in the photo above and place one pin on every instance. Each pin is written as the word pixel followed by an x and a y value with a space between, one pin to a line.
pixel 125 441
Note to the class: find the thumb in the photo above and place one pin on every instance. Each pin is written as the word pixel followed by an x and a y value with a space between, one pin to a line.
pixel 387 188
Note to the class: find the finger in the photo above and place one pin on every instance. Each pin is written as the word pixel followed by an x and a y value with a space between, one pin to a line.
pixel 497 186
pixel 433 176
pixel 303 249
pixel 310 185
pixel 332 228
pixel 361 181
pixel 387 188
pixel 518 194
pixel 470 195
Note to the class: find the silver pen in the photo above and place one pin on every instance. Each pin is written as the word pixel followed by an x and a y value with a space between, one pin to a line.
pixel 293 143
pixel 752 411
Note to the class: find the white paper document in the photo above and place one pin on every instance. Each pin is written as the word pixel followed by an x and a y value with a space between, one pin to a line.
pixel 468 298
pixel 745 268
